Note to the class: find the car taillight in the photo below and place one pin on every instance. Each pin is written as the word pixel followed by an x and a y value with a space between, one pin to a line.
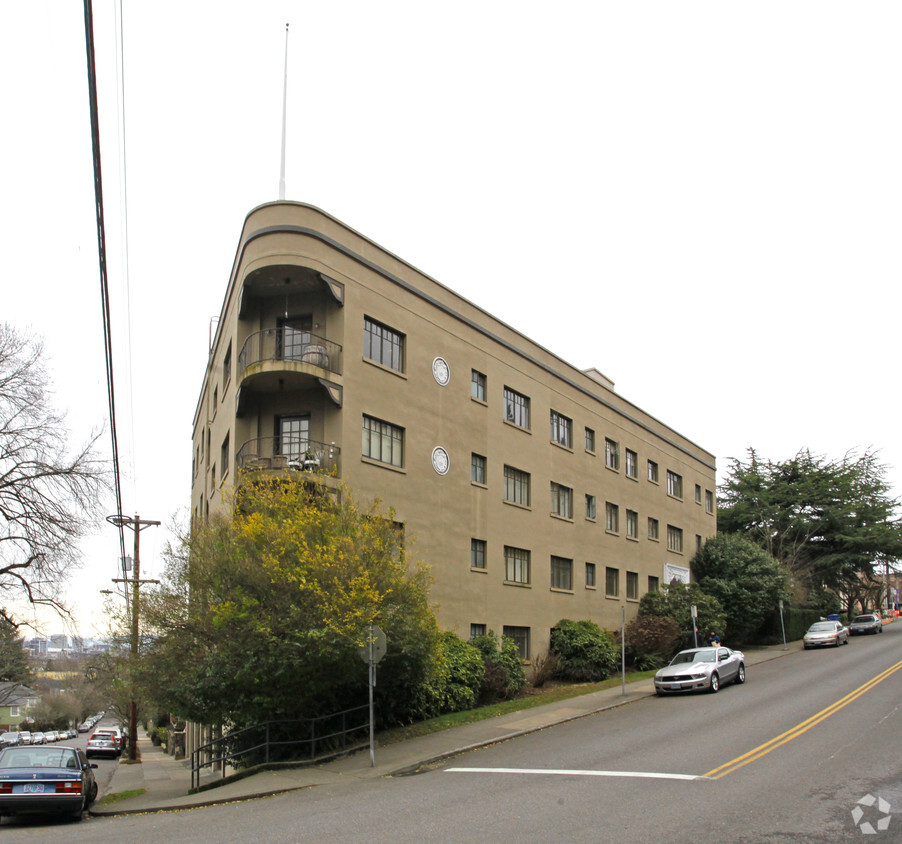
pixel 6 788
pixel 68 787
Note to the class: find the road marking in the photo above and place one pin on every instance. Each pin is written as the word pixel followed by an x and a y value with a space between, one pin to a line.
pixel 799 729
pixel 567 773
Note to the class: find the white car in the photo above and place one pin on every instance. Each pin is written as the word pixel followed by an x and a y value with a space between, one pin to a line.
pixel 823 634
pixel 701 669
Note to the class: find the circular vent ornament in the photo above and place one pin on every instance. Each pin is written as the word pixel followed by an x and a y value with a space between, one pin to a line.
pixel 441 371
pixel 440 460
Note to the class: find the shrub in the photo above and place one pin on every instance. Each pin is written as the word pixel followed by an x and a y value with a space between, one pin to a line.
pixel 504 674
pixel 458 676
pixel 651 640
pixel 587 652
pixel 545 667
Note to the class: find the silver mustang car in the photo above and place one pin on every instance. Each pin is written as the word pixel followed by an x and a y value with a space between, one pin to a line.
pixel 701 669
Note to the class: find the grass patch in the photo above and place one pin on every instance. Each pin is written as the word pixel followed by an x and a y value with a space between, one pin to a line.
pixel 530 697
pixel 121 795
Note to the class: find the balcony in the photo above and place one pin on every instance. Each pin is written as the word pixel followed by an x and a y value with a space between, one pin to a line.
pixel 287 454
pixel 292 347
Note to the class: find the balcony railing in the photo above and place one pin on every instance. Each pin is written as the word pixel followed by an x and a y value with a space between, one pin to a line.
pixel 290 344
pixel 289 454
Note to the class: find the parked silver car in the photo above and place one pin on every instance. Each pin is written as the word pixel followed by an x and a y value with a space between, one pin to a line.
pixel 701 669
pixel 867 623
pixel 823 634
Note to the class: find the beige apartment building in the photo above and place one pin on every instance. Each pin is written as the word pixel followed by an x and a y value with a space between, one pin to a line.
pixel 533 490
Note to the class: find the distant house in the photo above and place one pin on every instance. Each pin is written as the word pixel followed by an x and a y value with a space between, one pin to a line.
pixel 16 704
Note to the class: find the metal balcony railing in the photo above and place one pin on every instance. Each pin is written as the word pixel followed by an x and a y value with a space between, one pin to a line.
pixel 289 454
pixel 290 344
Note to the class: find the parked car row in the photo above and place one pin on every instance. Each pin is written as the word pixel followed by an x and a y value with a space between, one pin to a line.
pixel 15 738
pixel 86 725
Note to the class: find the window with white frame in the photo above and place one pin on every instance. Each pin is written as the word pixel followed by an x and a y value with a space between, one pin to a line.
pixel 611 454
pixel 611 517
pixel 516 408
pixel 674 484
pixel 590 506
pixel 653 471
pixel 632 524
pixel 709 501
pixel 632 464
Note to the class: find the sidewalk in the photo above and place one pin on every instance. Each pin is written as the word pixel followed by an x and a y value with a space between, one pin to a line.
pixel 165 781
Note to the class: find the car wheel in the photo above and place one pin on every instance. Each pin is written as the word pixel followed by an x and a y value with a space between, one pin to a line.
pixel 93 795
pixel 740 675
pixel 715 684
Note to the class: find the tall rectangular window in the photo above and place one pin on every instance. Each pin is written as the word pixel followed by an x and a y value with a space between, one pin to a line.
pixel 561 429
pixel 520 637
pixel 611 582
pixel 383 345
pixel 674 538
pixel 590 506
pixel 516 408
pixel 709 501
pixel 383 441
pixel 611 517
pixel 611 454
pixel 654 584
pixel 477 468
pixel 516 564
pixel 590 440
pixel 227 367
pixel 632 586
pixel 590 575
pixel 477 553
pixel 698 494
pixel 674 484
pixel 652 528
pixel 632 464
pixel 561 501
pixel 224 455
pixel 632 524
pixel 561 573
pixel 477 385
pixel 292 438
pixel 516 486
pixel 653 471
pixel 477 630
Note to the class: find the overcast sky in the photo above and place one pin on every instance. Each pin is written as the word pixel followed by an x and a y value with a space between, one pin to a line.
pixel 699 199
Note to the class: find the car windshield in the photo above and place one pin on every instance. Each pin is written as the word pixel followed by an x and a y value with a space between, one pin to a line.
pixel 693 656
pixel 822 625
pixel 863 619
pixel 38 757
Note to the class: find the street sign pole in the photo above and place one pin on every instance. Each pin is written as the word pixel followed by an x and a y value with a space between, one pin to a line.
pixel 371 653
pixel 782 626
pixel 372 686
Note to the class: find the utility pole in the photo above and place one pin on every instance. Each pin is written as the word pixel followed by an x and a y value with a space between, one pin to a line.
pixel 137 525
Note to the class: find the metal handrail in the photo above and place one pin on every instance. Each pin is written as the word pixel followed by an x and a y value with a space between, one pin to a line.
pixel 290 344
pixel 289 453
pixel 207 755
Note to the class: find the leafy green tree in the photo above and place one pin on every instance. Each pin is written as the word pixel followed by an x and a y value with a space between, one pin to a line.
pixel 676 600
pixel 456 683
pixel 827 521
pixel 263 610
pixel 746 580
pixel 587 652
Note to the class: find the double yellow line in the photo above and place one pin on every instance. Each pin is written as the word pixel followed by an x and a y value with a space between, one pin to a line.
pixel 795 732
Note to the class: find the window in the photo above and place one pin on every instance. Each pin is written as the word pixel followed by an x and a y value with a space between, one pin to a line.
pixel 590 506
pixel 653 471
pixel 477 468
pixel 590 575
pixel 292 437
pixel 674 484
pixel 709 501
pixel 15 711
pixel 520 636
pixel 632 586
pixel 477 553
pixel 674 539
pixel 632 524
pixel 383 442
pixel 654 584
pixel 561 501
pixel 611 454
pixel 516 408
pixel 516 486
pixel 561 429
pixel 632 464
pixel 477 630
pixel 227 367
pixel 561 573
pixel 477 385
pixel 611 517
pixel 516 565
pixel 698 543
pixel 293 338
pixel 383 345
pixel 698 494
pixel 215 399
pixel 590 440
pixel 611 582
pixel 653 528
pixel 224 455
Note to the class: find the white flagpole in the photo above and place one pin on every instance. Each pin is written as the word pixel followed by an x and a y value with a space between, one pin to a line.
pixel 284 118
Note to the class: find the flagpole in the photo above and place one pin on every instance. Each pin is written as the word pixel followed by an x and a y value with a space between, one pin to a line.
pixel 284 118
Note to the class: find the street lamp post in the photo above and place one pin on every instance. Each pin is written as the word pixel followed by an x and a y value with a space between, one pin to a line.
pixel 137 525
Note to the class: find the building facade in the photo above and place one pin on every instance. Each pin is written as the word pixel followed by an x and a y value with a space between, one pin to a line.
pixel 533 490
